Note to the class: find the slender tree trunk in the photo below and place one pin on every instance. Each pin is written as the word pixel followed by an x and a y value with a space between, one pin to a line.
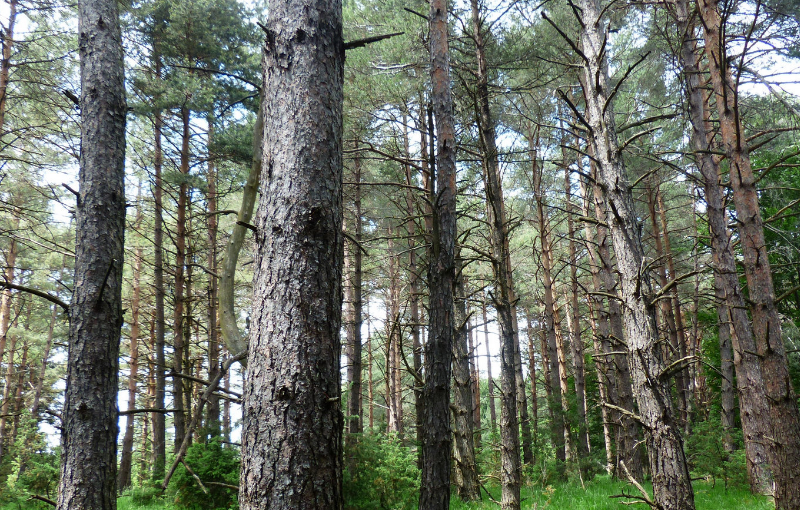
pixel 755 412
pixel 557 430
pixel 5 64
pixel 126 462
pixel 436 439
pixel 784 437
pixel 727 397
pixel 672 487
pixel 355 412
pixel 89 435
pixel 179 320
pixel 394 422
pixel 37 394
pixel 5 295
pixel 490 379
pixel 370 389
pixel 667 312
pixel 233 338
pixel 292 427
pixel 466 475
pixel 563 380
pixel 18 392
pixel 212 411
pixel 574 325
pixel 159 419
pixel 5 409
pixel 532 374
pixel 476 385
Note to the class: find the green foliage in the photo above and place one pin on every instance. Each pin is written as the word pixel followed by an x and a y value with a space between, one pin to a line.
pixel 707 456
pixel 214 465
pixel 381 473
pixel 33 468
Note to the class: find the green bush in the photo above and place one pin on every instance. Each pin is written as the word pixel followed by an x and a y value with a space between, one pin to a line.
pixel 707 456
pixel 380 473
pixel 214 465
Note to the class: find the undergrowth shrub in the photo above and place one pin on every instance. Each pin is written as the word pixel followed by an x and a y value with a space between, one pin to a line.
pixel 380 473
pixel 214 465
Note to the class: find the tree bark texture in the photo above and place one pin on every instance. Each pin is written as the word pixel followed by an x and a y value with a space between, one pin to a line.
pixel 89 436
pixel 213 411
pixel 436 440
pixel 5 63
pixel 354 369
pixel 784 437
pixel 668 468
pixel 292 426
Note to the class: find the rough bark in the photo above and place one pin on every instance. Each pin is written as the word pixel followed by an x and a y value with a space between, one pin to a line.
pixel 476 385
pixel 126 461
pixel 292 427
pixel 436 439
pixel 672 487
pixel 532 374
pixel 752 392
pixel 89 437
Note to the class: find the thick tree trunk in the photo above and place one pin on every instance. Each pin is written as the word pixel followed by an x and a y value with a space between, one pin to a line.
pixel 755 413
pixel 126 462
pixel 784 437
pixel 727 396
pixel 292 426
pixel 669 471
pixel 466 475
pixel 436 439
pixel 89 436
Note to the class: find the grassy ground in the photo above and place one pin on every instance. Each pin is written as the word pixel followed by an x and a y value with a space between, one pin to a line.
pixel 595 496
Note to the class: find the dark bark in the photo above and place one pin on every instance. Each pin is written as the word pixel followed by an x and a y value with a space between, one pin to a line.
pixel 490 379
pixel 436 439
pixel 672 487
pixel 292 427
pixel 532 374
pixel 5 62
pixel 89 437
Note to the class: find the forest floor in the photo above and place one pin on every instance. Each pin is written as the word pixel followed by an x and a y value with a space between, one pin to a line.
pixel 595 495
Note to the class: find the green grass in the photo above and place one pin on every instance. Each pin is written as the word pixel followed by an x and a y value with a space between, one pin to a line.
pixel 596 496
pixel 566 496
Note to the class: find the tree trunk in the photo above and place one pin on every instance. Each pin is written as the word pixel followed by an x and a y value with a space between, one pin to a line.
pixel 354 411
pixel 89 436
pixel 8 277
pixel 466 475
pixel 292 424
pixel 436 440
pixel 233 338
pixel 490 379
pixel 178 319
pixel 672 487
pixel 784 437
pixel 126 462
pixel 212 412
pixel 532 375
pixel 37 394
pixel 159 419
pixel 5 63
pixel 476 385
pixel 574 325
pixel 755 412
